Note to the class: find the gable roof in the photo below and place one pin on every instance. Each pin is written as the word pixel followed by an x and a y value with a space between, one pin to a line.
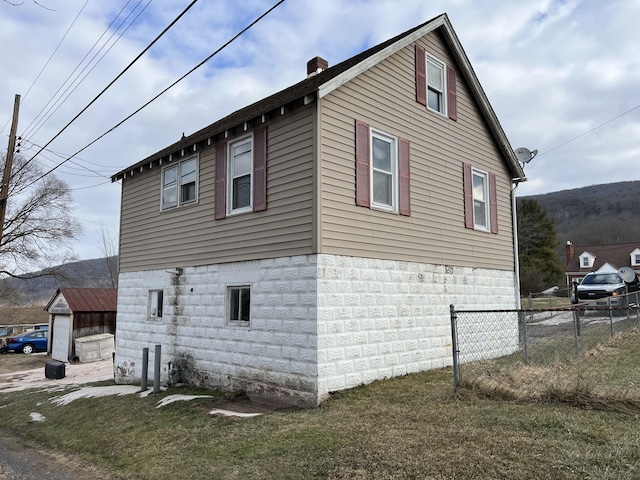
pixel 617 255
pixel 88 299
pixel 325 82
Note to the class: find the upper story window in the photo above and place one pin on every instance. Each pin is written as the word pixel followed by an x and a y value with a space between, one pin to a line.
pixel 586 260
pixel 240 169
pixel 436 84
pixel 384 167
pixel 179 183
pixel 635 257
pixel 241 175
pixel 480 199
pixel 382 170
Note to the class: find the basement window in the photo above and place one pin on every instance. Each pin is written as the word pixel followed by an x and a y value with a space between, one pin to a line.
pixel 239 305
pixel 155 305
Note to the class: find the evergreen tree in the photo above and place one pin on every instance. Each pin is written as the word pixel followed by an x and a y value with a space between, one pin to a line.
pixel 537 246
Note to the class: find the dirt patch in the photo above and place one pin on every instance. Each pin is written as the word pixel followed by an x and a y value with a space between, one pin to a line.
pixel 18 362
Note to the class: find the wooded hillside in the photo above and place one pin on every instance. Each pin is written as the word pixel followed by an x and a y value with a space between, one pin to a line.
pixel 594 215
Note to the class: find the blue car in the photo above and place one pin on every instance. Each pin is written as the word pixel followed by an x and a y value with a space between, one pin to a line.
pixel 29 342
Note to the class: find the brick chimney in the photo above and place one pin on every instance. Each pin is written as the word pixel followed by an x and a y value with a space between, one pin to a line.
pixel 569 251
pixel 316 65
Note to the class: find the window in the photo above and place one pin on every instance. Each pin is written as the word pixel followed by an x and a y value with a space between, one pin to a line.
pixel 382 170
pixel 240 169
pixel 435 85
pixel 155 304
pixel 241 175
pixel 480 200
pixel 635 257
pixel 585 262
pixel 239 305
pixel 179 183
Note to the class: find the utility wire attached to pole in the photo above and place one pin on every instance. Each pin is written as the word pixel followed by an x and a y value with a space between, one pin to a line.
pixel 4 190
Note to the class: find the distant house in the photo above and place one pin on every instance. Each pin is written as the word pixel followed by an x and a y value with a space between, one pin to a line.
pixel 313 241
pixel 581 260
pixel 76 313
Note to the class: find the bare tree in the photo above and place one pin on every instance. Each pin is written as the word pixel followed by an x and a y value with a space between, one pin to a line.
pixel 109 247
pixel 38 226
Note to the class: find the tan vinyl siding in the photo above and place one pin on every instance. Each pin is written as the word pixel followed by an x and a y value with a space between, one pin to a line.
pixel 190 236
pixel 384 97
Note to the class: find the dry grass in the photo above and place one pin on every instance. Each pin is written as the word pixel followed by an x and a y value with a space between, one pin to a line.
pixel 519 424
pixel 15 362
pixel 606 377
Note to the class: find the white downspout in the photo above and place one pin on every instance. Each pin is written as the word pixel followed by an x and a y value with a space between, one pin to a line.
pixel 514 216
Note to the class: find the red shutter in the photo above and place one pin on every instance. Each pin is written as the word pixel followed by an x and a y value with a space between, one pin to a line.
pixel 221 181
pixel 362 165
pixel 468 196
pixel 493 203
pixel 260 169
pixel 404 183
pixel 452 98
pixel 421 76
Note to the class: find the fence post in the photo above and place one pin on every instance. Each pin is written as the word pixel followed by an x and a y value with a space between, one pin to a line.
pixel 454 346
pixel 610 317
pixel 576 329
pixel 524 337
pixel 637 308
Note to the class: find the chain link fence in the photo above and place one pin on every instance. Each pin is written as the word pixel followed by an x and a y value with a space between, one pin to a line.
pixel 486 342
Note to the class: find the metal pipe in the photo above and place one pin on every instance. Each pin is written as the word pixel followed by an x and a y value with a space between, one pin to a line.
pixel 145 370
pixel 156 369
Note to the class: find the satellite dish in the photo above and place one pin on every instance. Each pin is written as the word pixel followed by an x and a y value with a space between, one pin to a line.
pixel 627 274
pixel 524 155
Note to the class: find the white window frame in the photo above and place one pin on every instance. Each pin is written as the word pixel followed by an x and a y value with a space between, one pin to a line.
pixel 442 92
pixel 177 168
pixel 230 178
pixel 155 305
pixel 586 260
pixel 485 201
pixel 635 258
pixel 393 142
pixel 230 313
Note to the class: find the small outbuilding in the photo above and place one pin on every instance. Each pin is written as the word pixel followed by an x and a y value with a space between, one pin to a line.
pixel 76 313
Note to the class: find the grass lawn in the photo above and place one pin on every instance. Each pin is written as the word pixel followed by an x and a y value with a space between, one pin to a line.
pixel 413 427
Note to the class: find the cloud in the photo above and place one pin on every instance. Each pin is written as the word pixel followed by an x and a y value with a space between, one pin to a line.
pixel 552 70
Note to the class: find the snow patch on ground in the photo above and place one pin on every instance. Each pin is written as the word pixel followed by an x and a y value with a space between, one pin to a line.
pixel 37 417
pixel 96 392
pixel 229 413
pixel 178 398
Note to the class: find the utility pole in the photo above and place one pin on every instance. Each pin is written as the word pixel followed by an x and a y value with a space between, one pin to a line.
pixel 4 190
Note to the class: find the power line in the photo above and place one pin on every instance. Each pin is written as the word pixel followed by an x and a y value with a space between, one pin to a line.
pixel 110 84
pixel 47 62
pixel 589 131
pixel 162 92
pixel 60 101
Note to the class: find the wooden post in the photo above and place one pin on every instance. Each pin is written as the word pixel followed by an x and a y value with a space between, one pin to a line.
pixel 4 189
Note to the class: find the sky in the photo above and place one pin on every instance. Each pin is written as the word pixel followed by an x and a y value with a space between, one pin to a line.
pixel 563 77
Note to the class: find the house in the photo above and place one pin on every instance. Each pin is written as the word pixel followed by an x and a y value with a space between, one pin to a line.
pixel 314 240
pixel 76 313
pixel 599 258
